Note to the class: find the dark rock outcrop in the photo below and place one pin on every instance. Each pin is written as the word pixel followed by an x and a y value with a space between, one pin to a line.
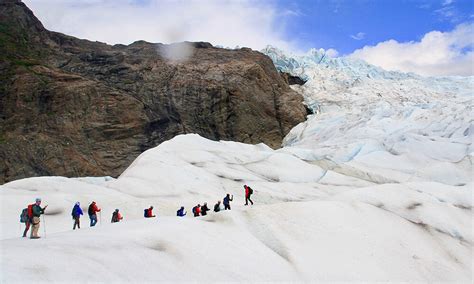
pixel 74 107
pixel 292 80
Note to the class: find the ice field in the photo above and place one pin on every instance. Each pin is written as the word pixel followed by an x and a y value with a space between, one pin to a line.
pixel 375 186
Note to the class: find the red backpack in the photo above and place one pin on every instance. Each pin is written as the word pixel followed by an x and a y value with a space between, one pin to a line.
pixel 30 211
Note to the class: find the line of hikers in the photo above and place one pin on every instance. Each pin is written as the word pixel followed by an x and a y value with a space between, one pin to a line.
pixel 92 212
pixel 31 215
pixel 199 210
pixel 202 210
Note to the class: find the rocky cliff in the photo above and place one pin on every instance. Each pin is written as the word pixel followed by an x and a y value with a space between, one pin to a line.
pixel 73 107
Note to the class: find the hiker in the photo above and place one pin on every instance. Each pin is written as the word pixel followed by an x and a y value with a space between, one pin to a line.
pixel 181 212
pixel 92 211
pixel 227 200
pixel 204 209
pixel 217 207
pixel 248 192
pixel 116 216
pixel 76 215
pixel 25 219
pixel 35 214
pixel 197 210
pixel 149 212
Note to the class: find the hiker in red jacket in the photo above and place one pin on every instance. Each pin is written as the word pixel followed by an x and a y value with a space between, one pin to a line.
pixel 197 210
pixel 248 192
pixel 27 224
pixel 92 211
pixel 27 218
pixel 149 212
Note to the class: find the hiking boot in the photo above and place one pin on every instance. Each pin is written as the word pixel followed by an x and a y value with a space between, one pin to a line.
pixel 35 237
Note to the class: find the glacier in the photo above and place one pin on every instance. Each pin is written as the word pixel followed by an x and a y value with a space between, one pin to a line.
pixel 376 185
pixel 399 127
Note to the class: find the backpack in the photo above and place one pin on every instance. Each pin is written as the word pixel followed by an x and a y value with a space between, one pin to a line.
pixel 30 211
pixel 250 190
pixel 24 215
pixel 194 209
pixel 145 214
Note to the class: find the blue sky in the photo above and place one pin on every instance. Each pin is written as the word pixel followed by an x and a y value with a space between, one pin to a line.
pixel 330 23
pixel 428 37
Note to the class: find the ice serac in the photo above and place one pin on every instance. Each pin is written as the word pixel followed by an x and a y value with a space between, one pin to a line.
pixel 74 107
pixel 379 125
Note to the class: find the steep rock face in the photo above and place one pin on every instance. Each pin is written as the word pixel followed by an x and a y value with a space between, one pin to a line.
pixel 73 107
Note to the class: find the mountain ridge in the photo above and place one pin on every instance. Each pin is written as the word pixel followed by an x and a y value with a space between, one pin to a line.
pixel 73 107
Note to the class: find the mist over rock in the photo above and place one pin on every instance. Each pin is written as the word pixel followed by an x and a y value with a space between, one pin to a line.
pixel 74 107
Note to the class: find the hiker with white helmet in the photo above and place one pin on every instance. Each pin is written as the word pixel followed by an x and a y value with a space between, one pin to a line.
pixel 76 215
pixel 35 214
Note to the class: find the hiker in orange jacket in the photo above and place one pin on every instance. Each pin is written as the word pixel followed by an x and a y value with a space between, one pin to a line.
pixel 116 216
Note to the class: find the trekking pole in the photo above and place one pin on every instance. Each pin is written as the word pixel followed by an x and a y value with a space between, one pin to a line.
pixel 100 217
pixel 44 226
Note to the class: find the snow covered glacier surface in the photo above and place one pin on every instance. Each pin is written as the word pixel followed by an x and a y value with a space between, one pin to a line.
pixel 375 186
pixel 397 127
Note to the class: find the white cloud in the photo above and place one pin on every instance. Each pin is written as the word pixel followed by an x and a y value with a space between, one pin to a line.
pixel 447 2
pixel 437 54
pixel 448 13
pixel 289 12
pixel 424 6
pixel 358 36
pixel 228 23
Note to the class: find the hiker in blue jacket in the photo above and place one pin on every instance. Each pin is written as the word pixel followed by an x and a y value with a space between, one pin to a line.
pixel 227 200
pixel 181 212
pixel 76 215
